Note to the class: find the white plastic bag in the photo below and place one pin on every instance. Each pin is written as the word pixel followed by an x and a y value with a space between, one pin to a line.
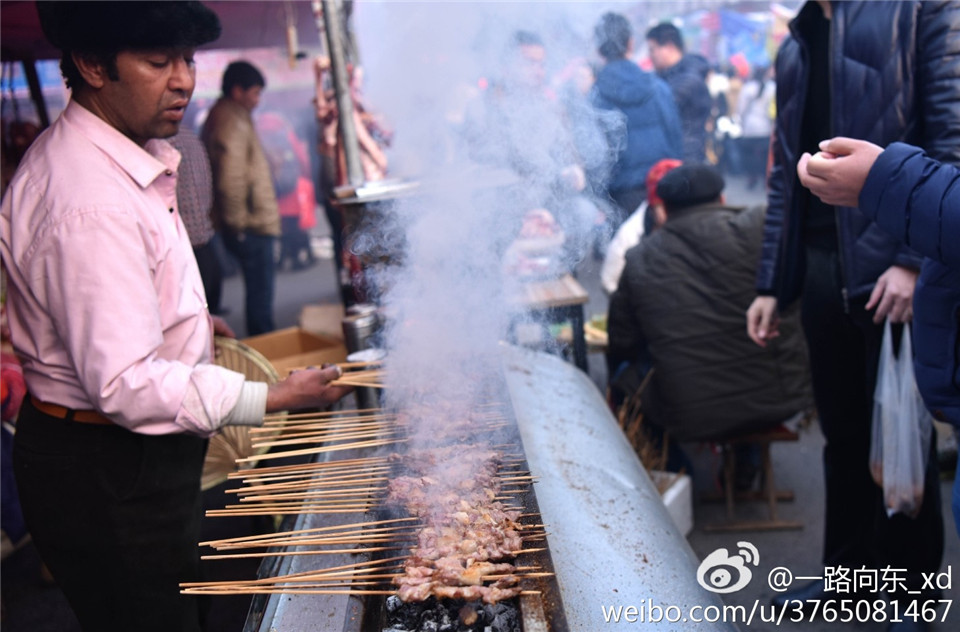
pixel 902 429
pixel 886 402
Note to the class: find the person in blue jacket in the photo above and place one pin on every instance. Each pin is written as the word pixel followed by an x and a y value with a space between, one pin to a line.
pixel 884 72
pixel 917 200
pixel 653 127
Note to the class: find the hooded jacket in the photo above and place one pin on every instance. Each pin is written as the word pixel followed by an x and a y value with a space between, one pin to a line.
pixel 917 200
pixel 681 299
pixel 652 120
pixel 883 89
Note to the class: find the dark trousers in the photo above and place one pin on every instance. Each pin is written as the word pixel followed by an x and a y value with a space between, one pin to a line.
pixel 210 272
pixel 753 156
pixel 293 241
pixel 115 516
pixel 844 354
pixel 255 253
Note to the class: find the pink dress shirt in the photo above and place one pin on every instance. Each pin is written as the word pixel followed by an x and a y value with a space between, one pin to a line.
pixel 106 305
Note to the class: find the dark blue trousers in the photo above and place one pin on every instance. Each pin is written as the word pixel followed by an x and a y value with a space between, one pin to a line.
pixel 256 256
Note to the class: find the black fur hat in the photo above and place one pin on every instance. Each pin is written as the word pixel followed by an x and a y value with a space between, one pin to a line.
pixel 689 185
pixel 110 27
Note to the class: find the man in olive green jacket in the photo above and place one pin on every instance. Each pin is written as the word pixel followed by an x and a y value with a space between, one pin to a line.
pixel 244 201
pixel 680 301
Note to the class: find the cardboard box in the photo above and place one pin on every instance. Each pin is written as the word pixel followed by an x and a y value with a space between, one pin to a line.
pixel 323 319
pixel 293 348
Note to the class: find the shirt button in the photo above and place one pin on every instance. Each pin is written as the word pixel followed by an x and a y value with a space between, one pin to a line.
pixel 168 172
pixel 171 209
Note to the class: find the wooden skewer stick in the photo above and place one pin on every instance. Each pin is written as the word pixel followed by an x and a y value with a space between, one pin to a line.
pixel 325 438
pixel 324 479
pixel 330 422
pixel 301 467
pixel 359 493
pixel 235 556
pixel 301 591
pixel 322 449
pixel 314 422
pixel 331 468
pixel 361 567
pixel 308 424
pixel 325 413
pixel 314 538
pixel 346 382
pixel 518 575
pixel 351 365
pixel 287 512
pixel 282 591
pixel 307 484
pixel 346 505
pixel 312 428
pixel 383 538
pixel 318 530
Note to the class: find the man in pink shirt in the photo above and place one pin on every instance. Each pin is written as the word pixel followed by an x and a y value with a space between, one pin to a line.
pixel 108 316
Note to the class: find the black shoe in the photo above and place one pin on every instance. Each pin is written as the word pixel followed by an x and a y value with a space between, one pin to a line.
pixel 815 591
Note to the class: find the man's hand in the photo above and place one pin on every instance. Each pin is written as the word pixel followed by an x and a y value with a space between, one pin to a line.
pixel 893 295
pixel 836 173
pixel 221 328
pixel 321 63
pixel 309 388
pixel 763 321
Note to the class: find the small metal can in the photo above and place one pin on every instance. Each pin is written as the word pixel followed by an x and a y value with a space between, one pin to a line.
pixel 360 325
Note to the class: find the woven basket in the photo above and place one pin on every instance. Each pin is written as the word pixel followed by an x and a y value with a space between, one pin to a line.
pixel 233 442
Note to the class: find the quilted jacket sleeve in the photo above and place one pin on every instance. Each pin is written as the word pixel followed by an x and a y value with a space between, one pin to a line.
pixel 917 199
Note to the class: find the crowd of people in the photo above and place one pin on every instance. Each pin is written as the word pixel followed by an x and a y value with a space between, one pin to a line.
pixel 742 317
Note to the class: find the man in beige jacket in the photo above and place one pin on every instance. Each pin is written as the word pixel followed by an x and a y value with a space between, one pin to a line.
pixel 245 203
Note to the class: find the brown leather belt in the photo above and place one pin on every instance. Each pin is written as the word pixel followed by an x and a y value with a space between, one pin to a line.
pixel 70 414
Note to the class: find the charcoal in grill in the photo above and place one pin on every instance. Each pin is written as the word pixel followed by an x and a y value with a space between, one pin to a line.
pixel 444 615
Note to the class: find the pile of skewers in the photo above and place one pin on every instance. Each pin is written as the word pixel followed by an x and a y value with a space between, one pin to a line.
pixel 465 530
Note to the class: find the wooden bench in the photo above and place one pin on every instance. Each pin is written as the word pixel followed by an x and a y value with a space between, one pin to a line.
pixel 769 491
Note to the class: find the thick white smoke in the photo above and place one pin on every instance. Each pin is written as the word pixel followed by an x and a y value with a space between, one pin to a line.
pixel 487 148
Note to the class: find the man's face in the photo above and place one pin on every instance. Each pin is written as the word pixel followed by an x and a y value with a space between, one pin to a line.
pixel 661 55
pixel 531 69
pixel 249 98
pixel 151 93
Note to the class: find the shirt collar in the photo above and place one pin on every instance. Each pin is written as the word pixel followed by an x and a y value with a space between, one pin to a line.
pixel 142 164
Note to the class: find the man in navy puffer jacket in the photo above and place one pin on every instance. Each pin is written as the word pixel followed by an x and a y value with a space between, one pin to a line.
pixel 917 200
pixel 883 72
pixel 653 124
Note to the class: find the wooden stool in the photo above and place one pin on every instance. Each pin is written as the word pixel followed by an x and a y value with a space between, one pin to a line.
pixel 769 492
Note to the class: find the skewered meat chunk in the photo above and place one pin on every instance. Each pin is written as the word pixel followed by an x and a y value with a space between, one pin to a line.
pixel 465 531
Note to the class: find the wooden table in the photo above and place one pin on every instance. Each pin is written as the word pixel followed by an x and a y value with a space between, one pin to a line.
pixel 558 300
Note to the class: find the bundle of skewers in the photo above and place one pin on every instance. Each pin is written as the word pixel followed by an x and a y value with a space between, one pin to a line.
pixel 366 373
pixel 461 533
pixel 361 373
